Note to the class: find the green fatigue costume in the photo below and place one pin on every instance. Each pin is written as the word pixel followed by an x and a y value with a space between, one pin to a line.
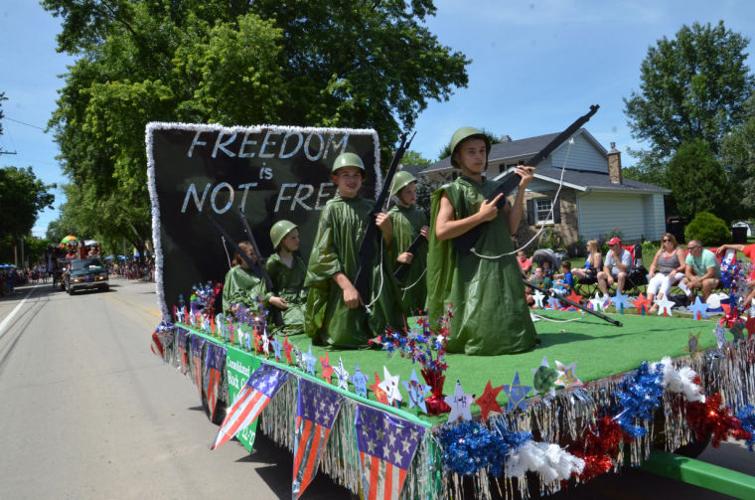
pixel 327 319
pixel 491 316
pixel 407 222
pixel 242 287
pixel 288 283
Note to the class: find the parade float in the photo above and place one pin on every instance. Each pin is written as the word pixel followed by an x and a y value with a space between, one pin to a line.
pixel 404 418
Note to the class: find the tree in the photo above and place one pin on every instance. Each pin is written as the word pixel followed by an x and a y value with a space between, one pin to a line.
pixel 739 159
pixel 694 86
pixel 698 182
pixel 352 63
pixel 414 158
pixel 22 197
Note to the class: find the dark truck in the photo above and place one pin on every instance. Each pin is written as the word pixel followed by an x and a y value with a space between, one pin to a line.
pixel 86 274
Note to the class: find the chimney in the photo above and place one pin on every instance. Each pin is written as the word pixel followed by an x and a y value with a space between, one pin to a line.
pixel 614 165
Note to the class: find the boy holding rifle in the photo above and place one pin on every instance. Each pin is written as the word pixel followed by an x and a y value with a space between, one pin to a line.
pixel 336 315
pixel 484 286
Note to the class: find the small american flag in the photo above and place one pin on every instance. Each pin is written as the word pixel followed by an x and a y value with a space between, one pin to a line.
pixel 214 364
pixel 386 449
pixel 197 344
pixel 257 392
pixel 316 411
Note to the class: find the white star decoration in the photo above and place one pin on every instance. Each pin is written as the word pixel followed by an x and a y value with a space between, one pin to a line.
pixel 538 296
pixel 566 375
pixel 342 376
pixel 460 403
pixel 390 386
pixel 664 306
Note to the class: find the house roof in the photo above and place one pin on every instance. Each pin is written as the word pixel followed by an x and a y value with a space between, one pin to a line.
pixel 521 148
pixel 591 181
pixel 412 169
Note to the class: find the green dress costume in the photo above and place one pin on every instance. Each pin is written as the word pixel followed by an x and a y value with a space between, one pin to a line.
pixel 242 287
pixel 289 285
pixel 407 222
pixel 327 319
pixel 490 315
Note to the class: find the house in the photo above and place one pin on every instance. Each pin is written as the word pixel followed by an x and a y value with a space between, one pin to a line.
pixel 595 198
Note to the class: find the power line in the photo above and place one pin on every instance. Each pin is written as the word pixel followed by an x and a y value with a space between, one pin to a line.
pixel 24 123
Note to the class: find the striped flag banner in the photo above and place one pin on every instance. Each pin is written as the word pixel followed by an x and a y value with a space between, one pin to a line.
pixel 182 341
pixel 259 389
pixel 214 365
pixel 316 410
pixel 196 344
pixel 386 448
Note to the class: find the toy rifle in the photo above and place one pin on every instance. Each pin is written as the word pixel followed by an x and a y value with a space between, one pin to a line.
pixel 366 255
pixel 467 241
pixel 256 267
pixel 569 302
pixel 402 269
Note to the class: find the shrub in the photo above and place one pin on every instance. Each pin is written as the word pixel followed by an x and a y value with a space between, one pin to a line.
pixel 707 228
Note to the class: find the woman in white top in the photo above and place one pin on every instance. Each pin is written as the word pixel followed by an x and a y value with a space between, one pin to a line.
pixel 666 270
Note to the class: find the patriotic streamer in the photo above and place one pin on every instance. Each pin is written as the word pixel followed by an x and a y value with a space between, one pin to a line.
pixel 386 448
pixel 257 392
pixel 197 344
pixel 214 366
pixel 182 340
pixel 316 410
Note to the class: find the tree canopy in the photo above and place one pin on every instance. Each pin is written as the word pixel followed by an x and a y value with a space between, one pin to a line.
pixel 698 181
pixel 338 63
pixel 739 159
pixel 22 196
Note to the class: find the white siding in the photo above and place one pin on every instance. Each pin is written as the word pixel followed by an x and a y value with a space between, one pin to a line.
pixel 599 213
pixel 582 156
pixel 655 217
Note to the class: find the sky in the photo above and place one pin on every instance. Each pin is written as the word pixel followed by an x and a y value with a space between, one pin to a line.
pixel 536 66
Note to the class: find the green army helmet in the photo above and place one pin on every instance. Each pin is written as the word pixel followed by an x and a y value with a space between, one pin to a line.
pixel 347 160
pixel 280 230
pixel 400 181
pixel 462 135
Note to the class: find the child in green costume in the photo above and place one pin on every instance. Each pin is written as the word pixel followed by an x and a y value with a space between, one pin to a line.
pixel 287 272
pixel 490 314
pixel 243 287
pixel 408 222
pixel 335 314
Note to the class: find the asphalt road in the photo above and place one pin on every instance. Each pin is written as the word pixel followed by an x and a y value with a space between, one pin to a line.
pixel 87 411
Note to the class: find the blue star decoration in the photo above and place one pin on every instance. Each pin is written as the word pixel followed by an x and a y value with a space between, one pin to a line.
pixel 276 348
pixel 699 309
pixel 554 303
pixel 360 382
pixel 309 361
pixel 517 394
pixel 620 301
pixel 417 392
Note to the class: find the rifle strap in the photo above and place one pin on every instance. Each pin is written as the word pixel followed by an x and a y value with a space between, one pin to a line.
pixel 542 226
pixel 375 298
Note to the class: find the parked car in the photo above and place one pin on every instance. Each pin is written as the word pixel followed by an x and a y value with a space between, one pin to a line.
pixel 86 274
pixel 744 224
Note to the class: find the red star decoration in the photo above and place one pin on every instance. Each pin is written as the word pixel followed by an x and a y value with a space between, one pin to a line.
pixel 642 304
pixel 574 297
pixel 327 370
pixel 287 348
pixel 750 326
pixel 487 402
pixel 380 394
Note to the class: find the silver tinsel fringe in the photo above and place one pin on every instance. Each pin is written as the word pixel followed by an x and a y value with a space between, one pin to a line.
pixel 560 418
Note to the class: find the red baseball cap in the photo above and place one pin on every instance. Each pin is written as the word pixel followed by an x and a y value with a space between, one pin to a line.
pixel 614 241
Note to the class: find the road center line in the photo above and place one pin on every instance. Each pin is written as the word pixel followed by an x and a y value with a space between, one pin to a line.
pixel 7 319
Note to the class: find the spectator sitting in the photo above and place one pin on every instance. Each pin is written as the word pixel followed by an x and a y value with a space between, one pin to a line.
pixel 564 282
pixel 749 251
pixel 537 277
pixel 666 270
pixel 592 263
pixel 702 270
pixel 617 265
pixel 547 274
pixel 524 263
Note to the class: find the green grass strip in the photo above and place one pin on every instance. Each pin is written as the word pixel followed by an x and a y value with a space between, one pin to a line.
pixel 702 474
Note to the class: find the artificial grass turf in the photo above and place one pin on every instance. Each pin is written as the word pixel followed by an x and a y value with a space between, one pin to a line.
pixel 599 349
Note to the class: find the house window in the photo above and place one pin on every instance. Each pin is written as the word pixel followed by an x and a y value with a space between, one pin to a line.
pixel 542 210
